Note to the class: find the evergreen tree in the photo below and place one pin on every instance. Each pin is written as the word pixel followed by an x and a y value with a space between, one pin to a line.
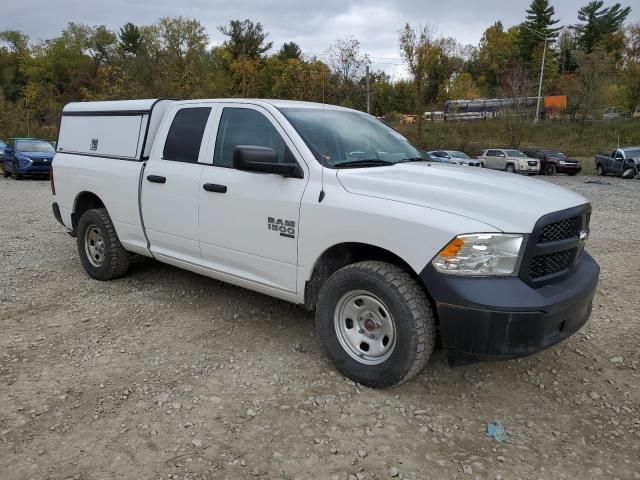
pixel 290 51
pixel 245 39
pixel 539 19
pixel 130 39
pixel 599 23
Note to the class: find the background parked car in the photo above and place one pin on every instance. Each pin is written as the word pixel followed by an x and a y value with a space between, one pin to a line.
pixel 27 156
pixel 2 147
pixel 624 162
pixel 613 113
pixel 509 160
pixel 454 156
pixel 552 162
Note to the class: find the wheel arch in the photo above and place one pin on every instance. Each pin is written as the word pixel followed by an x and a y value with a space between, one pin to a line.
pixel 347 253
pixel 84 201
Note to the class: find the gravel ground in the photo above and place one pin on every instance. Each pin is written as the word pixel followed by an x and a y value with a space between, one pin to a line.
pixel 167 374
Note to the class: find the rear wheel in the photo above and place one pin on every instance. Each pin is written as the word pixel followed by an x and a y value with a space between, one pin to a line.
pixel 550 170
pixel 5 172
pixel 600 170
pixel 101 253
pixel 510 168
pixel 375 323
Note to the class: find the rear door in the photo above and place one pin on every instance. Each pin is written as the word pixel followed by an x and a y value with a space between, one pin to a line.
pixel 492 159
pixel 171 181
pixel 249 222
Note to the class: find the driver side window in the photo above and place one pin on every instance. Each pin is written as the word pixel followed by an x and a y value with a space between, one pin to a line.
pixel 244 126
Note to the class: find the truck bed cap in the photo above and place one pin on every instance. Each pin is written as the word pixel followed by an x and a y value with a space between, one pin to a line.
pixel 137 106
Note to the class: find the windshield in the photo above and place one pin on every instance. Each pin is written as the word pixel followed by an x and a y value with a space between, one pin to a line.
pixel 39 146
pixel 459 155
pixel 341 137
pixel 515 153
pixel 632 153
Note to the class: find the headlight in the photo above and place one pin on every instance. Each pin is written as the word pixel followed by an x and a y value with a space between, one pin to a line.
pixel 24 162
pixel 481 254
pixel 562 162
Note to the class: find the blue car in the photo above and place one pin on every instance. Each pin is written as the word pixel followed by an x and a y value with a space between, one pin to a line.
pixel 27 156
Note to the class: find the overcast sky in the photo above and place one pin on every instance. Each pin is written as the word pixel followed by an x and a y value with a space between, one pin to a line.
pixel 313 24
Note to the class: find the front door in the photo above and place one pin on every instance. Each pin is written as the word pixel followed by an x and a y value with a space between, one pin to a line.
pixel 170 186
pixel 249 221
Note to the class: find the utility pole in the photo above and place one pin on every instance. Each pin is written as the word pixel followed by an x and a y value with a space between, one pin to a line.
pixel 544 54
pixel 368 91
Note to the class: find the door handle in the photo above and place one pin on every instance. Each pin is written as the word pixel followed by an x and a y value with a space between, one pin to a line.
pixel 214 187
pixel 157 179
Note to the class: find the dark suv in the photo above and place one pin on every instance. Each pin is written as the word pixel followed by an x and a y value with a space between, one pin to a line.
pixel 552 162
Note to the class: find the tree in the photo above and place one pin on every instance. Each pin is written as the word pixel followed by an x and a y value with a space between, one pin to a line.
pixel 130 39
pixel 540 18
pixel 515 86
pixel 245 39
pixel 348 63
pixel 590 83
pixel 290 50
pixel 498 49
pixel 462 86
pixel 420 52
pixel 599 23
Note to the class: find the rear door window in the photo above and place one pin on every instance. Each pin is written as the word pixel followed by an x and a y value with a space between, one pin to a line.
pixel 185 135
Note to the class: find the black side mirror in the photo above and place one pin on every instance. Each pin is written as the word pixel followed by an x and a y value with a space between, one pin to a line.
pixel 254 158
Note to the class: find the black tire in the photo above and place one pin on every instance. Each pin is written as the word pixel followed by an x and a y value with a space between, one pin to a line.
pixel 510 168
pixel 113 261
pixel 600 170
pixel 5 172
pixel 410 312
pixel 550 170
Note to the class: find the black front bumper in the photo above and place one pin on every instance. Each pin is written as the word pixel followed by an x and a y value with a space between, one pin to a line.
pixel 483 318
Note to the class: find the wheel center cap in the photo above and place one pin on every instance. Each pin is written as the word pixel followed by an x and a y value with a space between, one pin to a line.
pixel 370 325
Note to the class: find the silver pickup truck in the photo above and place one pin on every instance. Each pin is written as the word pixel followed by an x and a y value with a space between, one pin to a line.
pixel 623 162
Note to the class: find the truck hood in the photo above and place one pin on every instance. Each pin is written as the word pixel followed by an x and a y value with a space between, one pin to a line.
pixel 505 201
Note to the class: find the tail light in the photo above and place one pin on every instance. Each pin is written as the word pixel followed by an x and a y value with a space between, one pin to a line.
pixel 53 183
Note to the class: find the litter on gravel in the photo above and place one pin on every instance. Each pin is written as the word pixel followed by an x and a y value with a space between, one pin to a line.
pixel 496 431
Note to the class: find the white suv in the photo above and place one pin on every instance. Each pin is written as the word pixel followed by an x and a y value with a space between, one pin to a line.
pixel 513 161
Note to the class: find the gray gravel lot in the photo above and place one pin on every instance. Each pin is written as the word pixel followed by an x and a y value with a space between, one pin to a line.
pixel 167 374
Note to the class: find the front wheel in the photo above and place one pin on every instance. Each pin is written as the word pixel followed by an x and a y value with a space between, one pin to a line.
pixel 375 323
pixel 511 168
pixel 101 253
pixel 550 170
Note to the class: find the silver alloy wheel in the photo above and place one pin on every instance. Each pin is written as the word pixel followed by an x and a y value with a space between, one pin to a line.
pixel 365 327
pixel 94 245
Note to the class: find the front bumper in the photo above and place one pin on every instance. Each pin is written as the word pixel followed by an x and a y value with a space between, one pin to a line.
pixel 483 318
pixel 34 170
pixel 569 168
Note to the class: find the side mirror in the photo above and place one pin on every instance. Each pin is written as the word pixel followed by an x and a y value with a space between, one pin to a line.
pixel 254 158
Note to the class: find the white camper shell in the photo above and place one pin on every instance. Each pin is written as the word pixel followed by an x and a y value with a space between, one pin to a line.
pixel 119 129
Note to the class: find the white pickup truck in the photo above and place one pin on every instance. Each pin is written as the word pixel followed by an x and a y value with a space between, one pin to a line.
pixel 329 208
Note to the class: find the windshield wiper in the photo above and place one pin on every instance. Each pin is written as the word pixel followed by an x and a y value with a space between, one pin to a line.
pixel 372 162
pixel 415 159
